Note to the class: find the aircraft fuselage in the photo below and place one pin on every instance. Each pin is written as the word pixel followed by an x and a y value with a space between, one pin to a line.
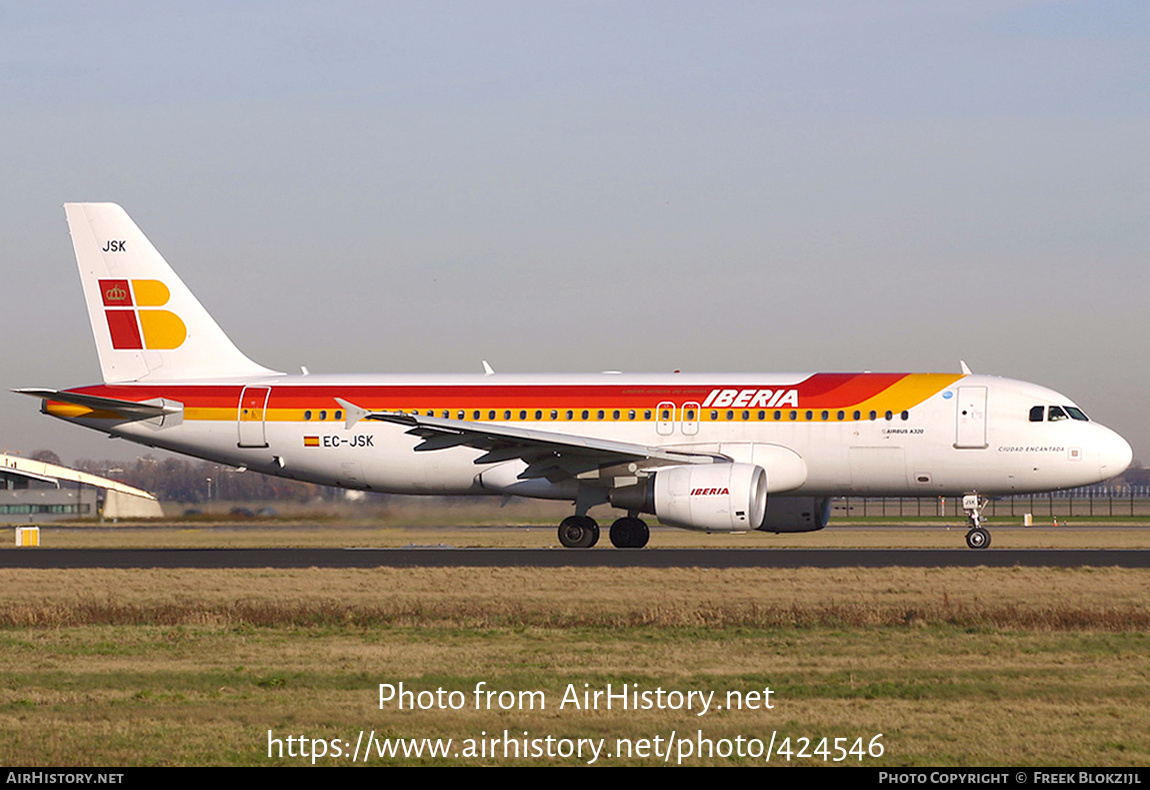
pixel 824 434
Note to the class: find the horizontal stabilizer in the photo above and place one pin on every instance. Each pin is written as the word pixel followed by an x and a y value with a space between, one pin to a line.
pixel 128 409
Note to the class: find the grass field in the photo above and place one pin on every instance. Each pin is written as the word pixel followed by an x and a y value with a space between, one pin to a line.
pixel 195 667
pixel 932 667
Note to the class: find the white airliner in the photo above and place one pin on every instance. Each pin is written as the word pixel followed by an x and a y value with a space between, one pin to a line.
pixel 719 453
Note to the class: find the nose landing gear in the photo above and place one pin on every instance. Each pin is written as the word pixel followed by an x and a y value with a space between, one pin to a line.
pixel 978 537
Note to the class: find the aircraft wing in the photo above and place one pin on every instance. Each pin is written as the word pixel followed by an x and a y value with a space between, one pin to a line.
pixel 547 454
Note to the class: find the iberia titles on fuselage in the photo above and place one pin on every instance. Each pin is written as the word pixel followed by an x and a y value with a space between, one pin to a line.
pixel 717 453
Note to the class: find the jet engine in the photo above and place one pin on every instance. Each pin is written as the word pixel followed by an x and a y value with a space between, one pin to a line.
pixel 796 514
pixel 712 497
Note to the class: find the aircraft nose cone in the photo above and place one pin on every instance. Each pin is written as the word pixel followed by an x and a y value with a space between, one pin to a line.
pixel 1114 455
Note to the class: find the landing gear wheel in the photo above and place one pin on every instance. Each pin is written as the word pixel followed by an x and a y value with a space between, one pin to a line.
pixel 578 532
pixel 978 538
pixel 629 533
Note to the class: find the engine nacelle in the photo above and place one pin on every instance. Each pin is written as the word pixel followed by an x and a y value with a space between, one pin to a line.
pixel 796 514
pixel 713 497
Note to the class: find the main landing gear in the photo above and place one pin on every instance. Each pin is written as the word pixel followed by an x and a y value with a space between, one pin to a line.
pixel 629 533
pixel 978 537
pixel 582 532
pixel 578 532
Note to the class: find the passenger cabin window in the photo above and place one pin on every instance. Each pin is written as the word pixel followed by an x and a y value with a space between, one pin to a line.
pixel 1037 413
pixel 1056 413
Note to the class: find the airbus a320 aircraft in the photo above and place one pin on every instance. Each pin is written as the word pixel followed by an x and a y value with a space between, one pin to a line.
pixel 718 453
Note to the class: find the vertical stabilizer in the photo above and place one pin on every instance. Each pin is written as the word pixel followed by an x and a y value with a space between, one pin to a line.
pixel 147 324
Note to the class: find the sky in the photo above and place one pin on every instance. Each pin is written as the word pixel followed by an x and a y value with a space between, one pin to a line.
pixel 583 186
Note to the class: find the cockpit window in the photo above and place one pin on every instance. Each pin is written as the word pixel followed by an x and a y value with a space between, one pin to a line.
pixel 1076 413
pixel 1037 413
pixel 1056 413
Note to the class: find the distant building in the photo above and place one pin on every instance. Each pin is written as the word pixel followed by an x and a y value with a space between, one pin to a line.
pixel 35 491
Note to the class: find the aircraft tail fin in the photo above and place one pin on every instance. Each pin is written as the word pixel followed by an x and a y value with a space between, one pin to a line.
pixel 147 324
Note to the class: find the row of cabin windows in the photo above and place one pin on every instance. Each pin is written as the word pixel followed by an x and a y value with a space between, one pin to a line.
pixel 570 414
pixel 805 415
pixel 82 507
pixel 665 415
pixel 1056 413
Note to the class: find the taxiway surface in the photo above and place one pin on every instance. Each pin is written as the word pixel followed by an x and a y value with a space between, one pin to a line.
pixel 444 557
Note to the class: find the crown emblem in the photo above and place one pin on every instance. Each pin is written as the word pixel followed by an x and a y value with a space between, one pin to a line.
pixel 115 293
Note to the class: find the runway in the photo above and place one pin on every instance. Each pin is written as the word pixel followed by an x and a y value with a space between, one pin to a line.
pixel 446 557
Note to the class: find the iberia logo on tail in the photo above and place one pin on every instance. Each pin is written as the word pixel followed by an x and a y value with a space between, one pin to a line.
pixel 133 320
